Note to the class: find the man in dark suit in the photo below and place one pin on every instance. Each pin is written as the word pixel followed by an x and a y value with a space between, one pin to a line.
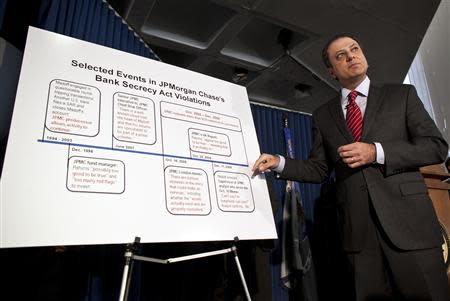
pixel 389 229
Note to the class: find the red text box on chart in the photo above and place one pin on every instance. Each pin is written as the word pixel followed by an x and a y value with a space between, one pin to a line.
pixel 134 118
pixel 208 142
pixel 192 115
pixel 234 192
pixel 187 191
pixel 85 174
pixel 73 108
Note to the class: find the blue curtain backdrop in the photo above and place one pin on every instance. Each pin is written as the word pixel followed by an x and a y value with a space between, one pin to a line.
pixel 101 267
pixel 269 124
pixel 92 21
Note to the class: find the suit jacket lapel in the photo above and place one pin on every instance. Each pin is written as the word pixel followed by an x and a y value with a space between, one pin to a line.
pixel 338 117
pixel 374 100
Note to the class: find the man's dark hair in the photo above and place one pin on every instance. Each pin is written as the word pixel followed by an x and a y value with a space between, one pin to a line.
pixel 325 58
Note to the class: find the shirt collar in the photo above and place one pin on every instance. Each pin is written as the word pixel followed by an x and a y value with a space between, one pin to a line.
pixel 362 88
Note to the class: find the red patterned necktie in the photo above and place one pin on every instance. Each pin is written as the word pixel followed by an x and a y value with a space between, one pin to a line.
pixel 354 116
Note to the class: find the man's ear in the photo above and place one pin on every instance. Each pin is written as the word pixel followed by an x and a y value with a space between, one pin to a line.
pixel 331 72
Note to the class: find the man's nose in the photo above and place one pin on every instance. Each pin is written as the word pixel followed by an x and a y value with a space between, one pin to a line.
pixel 350 57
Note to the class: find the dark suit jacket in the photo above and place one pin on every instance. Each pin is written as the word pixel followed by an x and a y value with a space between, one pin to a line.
pixel 396 118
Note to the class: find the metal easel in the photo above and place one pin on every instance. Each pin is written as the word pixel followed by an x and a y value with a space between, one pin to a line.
pixel 130 257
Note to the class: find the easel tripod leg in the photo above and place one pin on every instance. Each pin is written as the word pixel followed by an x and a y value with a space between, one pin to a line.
pixel 125 278
pixel 241 274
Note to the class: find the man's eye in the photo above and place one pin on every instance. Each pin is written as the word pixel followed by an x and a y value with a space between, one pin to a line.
pixel 354 49
pixel 339 56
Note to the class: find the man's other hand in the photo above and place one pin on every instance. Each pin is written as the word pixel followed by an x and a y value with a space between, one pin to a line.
pixel 357 154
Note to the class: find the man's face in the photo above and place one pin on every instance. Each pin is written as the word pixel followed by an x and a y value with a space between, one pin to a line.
pixel 348 63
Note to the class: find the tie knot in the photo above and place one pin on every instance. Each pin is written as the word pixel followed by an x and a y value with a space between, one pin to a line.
pixel 352 96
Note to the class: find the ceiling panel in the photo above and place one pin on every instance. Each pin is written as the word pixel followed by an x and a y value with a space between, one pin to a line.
pixel 274 47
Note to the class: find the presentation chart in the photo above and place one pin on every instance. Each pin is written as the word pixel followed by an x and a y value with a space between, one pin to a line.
pixel 105 146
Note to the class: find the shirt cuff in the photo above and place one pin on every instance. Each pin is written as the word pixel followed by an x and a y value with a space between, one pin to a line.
pixel 380 153
pixel 280 167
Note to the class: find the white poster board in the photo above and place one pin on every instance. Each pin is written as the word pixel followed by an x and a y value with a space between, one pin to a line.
pixel 105 146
